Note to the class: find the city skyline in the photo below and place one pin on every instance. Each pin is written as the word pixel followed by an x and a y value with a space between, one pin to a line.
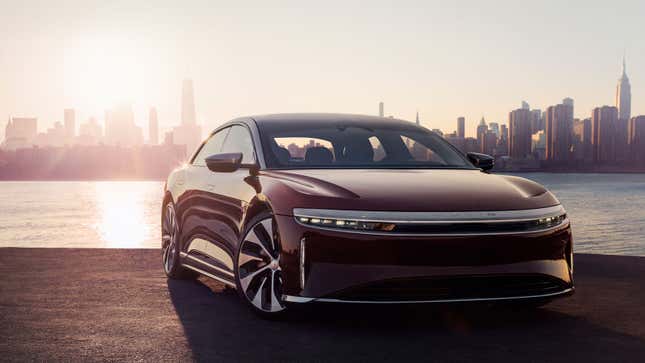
pixel 443 60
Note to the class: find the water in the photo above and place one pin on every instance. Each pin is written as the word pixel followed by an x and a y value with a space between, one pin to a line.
pixel 607 212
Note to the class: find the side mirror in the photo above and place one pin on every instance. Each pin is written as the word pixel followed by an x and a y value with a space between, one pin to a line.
pixel 482 161
pixel 225 163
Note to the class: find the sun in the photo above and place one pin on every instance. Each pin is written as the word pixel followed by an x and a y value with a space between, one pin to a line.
pixel 101 71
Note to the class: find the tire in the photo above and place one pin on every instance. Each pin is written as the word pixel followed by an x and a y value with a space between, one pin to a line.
pixel 170 237
pixel 258 275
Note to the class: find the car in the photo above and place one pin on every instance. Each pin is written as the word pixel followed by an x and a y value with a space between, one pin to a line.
pixel 290 209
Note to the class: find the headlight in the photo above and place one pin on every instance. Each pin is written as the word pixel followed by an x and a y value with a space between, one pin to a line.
pixel 347 224
pixel 434 223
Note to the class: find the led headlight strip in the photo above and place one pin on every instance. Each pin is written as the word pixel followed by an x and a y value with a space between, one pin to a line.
pixel 476 222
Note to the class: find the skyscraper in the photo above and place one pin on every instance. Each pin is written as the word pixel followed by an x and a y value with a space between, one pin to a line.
pixel 153 127
pixel 381 109
pixel 70 124
pixel 525 105
pixel 417 120
pixel 120 128
pixel 188 132
pixel 624 95
pixel 519 134
pixel 559 130
pixel 603 122
pixel 482 128
pixel 461 127
pixel 20 132
pixel 636 139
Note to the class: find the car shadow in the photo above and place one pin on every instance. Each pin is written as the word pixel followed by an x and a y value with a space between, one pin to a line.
pixel 218 326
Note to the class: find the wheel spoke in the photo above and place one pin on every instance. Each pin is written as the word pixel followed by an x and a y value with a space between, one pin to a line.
pixel 268 227
pixel 253 238
pixel 248 256
pixel 275 304
pixel 257 299
pixel 246 281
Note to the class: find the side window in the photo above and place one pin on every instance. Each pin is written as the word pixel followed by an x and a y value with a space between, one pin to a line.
pixel 212 146
pixel 239 141
pixel 421 152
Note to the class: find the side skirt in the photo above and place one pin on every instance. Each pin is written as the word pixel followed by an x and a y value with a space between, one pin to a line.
pixel 207 269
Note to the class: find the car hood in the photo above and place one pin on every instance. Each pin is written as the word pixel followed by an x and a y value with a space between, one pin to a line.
pixel 402 190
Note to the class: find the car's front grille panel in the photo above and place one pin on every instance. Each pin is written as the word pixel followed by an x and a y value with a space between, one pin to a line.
pixel 449 288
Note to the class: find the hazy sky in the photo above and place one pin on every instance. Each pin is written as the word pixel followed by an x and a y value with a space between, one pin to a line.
pixel 442 58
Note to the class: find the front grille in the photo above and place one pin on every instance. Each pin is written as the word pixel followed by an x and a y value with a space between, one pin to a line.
pixel 454 288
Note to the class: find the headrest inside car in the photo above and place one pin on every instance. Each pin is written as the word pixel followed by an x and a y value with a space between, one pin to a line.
pixel 319 155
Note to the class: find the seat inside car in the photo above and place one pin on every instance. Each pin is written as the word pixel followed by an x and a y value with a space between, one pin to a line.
pixel 358 151
pixel 318 155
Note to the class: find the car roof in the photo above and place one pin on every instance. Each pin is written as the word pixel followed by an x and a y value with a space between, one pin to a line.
pixel 322 118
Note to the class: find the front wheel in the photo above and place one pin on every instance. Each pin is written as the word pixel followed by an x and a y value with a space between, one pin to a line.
pixel 170 245
pixel 258 274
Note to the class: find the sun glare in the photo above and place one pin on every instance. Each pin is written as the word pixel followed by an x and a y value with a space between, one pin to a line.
pixel 103 71
pixel 121 215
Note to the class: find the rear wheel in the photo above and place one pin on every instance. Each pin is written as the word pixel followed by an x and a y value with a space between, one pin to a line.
pixel 170 237
pixel 258 273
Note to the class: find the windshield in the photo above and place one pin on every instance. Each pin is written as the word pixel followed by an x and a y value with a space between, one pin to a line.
pixel 391 145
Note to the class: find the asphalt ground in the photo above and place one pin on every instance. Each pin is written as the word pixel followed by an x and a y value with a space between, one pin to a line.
pixel 117 305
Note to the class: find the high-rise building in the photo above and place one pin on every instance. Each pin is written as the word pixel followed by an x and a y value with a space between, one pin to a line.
pixel 559 130
pixel 153 127
pixel 417 120
pixel 489 142
pixel 519 134
pixel 188 132
pixel 568 101
pixel 582 139
pixel 494 127
pixel 525 105
pixel 20 132
pixel 636 138
pixel 624 95
pixel 461 127
pixel 90 132
pixel 482 128
pixel 70 124
pixel 381 109
pixel 120 128
pixel 603 122
pixel 537 121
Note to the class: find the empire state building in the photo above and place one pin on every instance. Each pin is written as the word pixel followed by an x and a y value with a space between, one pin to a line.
pixel 624 95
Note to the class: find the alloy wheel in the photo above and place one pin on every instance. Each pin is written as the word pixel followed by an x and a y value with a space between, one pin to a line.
pixel 169 238
pixel 259 269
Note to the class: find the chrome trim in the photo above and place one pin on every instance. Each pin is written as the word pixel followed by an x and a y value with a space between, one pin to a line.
pixel 301 263
pixel 224 281
pixel 219 269
pixel 431 217
pixel 212 250
pixel 562 225
pixel 300 299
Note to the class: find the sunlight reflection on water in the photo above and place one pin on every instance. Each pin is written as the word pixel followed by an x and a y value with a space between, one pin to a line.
pixel 607 212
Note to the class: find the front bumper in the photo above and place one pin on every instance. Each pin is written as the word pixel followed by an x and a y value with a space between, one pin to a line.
pixel 378 268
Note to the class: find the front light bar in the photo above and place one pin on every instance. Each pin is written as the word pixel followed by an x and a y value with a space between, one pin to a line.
pixel 440 223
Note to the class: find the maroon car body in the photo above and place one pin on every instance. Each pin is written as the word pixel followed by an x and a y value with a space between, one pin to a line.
pixel 344 232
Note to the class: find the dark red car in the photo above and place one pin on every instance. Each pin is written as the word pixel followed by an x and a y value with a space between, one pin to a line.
pixel 297 208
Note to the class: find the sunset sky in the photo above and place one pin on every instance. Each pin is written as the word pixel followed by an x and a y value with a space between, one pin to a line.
pixel 443 58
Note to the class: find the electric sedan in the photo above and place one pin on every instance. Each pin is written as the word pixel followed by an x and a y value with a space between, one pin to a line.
pixel 298 208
